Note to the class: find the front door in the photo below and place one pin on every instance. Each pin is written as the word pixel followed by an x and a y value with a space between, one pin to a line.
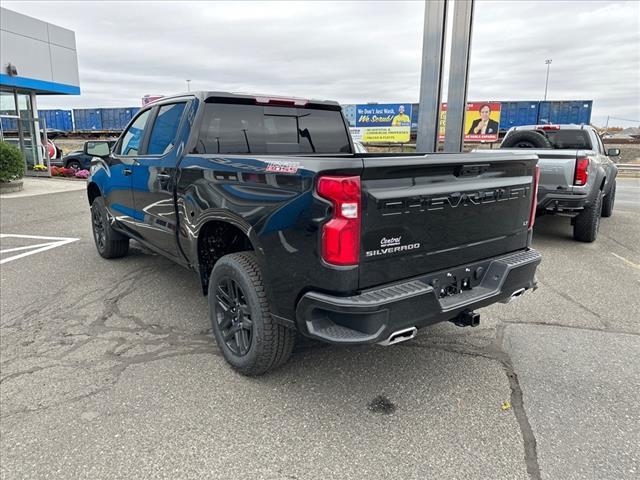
pixel 153 177
pixel 119 196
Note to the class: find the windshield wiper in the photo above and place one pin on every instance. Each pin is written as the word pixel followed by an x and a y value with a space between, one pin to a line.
pixel 305 134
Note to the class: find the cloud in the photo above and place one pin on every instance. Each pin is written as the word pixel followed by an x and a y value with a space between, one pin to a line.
pixel 347 51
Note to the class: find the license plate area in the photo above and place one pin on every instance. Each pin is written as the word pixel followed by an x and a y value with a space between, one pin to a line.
pixel 454 281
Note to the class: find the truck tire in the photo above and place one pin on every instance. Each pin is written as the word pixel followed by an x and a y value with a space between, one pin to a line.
pixel 526 139
pixel 250 340
pixel 608 201
pixel 585 228
pixel 109 243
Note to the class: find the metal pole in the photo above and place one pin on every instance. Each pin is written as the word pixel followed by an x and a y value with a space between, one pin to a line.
pixel 433 38
pixel 458 74
pixel 546 84
pixel 188 85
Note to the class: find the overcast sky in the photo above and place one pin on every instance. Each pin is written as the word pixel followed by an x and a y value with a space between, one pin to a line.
pixel 348 51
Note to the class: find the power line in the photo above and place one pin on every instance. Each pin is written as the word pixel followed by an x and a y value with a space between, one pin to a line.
pixel 624 119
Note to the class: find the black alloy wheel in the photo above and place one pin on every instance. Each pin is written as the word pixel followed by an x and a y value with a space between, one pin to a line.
pixel 234 316
pixel 99 232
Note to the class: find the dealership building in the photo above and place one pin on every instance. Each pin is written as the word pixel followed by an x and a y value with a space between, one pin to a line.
pixel 36 58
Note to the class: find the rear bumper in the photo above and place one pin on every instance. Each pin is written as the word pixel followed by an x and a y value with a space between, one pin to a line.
pixel 554 202
pixel 371 316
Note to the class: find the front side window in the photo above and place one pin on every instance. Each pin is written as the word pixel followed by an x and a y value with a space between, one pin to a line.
pixel 132 139
pixel 165 128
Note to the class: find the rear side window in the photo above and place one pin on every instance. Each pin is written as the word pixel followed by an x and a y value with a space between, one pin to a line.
pixel 239 128
pixel 165 129
pixel 569 139
pixel 132 139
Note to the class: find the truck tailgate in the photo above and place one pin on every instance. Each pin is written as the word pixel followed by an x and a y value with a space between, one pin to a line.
pixel 427 213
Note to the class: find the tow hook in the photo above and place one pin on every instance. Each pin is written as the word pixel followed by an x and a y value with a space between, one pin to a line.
pixel 467 318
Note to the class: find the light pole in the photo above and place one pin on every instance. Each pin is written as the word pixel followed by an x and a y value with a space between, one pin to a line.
pixel 189 86
pixel 546 84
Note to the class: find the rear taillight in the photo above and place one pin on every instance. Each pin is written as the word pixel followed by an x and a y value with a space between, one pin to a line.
pixel 534 198
pixel 582 167
pixel 341 234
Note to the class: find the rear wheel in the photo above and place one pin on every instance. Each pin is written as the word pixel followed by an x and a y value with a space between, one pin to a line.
pixel 109 243
pixel 585 228
pixel 250 340
pixel 608 201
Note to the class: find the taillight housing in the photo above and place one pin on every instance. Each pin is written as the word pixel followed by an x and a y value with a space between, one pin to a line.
pixel 534 198
pixel 341 235
pixel 582 171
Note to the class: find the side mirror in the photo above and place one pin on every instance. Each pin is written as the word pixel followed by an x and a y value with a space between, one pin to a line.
pixel 97 149
pixel 613 152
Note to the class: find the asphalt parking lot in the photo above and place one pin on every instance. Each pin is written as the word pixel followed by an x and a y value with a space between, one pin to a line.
pixel 109 370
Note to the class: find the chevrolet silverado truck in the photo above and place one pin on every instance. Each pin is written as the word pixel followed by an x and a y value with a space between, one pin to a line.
pixel 290 231
pixel 577 177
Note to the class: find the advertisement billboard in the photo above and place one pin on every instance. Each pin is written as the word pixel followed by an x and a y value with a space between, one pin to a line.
pixel 481 121
pixel 383 123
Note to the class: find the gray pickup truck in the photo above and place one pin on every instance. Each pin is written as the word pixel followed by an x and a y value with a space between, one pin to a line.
pixel 577 177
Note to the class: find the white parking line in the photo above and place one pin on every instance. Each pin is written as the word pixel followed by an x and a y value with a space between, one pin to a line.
pixel 33 249
pixel 628 262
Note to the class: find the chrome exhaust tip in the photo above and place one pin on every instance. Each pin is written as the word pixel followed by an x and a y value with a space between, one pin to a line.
pixel 515 295
pixel 400 336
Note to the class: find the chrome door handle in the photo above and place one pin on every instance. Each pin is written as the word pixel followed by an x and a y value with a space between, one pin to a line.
pixel 163 175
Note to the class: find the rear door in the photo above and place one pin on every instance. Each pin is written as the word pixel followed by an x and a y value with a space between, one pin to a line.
pixel 424 214
pixel 153 178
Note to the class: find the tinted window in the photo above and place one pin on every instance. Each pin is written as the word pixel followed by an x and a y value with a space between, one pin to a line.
pixel 132 139
pixel 571 139
pixel 165 129
pixel 236 128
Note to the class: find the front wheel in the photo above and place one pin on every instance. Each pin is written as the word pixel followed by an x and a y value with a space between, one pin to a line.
pixel 250 340
pixel 609 200
pixel 109 243
pixel 75 165
pixel 585 228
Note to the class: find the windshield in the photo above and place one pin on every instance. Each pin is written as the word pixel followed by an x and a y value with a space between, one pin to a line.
pixel 569 139
pixel 240 128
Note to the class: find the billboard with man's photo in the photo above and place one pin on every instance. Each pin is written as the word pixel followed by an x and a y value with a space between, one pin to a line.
pixel 383 123
pixel 481 121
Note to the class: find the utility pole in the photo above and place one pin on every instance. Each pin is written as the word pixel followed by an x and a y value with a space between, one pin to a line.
pixel 546 84
pixel 188 85
pixel 433 40
pixel 458 75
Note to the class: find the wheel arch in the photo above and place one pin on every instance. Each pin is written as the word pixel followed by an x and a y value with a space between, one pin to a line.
pixel 217 238
pixel 93 191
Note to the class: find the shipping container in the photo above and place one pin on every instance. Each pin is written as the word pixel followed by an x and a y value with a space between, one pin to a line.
pixel 56 120
pixel 514 114
pixel 574 111
pixel 87 119
pixel 116 119
pixel 9 124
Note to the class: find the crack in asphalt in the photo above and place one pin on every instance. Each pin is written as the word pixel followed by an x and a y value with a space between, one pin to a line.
pixel 494 350
pixel 38 318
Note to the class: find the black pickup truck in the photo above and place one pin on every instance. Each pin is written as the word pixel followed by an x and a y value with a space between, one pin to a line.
pixel 291 231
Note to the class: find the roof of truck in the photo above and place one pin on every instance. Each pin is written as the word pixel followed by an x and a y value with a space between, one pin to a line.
pixel 551 126
pixel 258 97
